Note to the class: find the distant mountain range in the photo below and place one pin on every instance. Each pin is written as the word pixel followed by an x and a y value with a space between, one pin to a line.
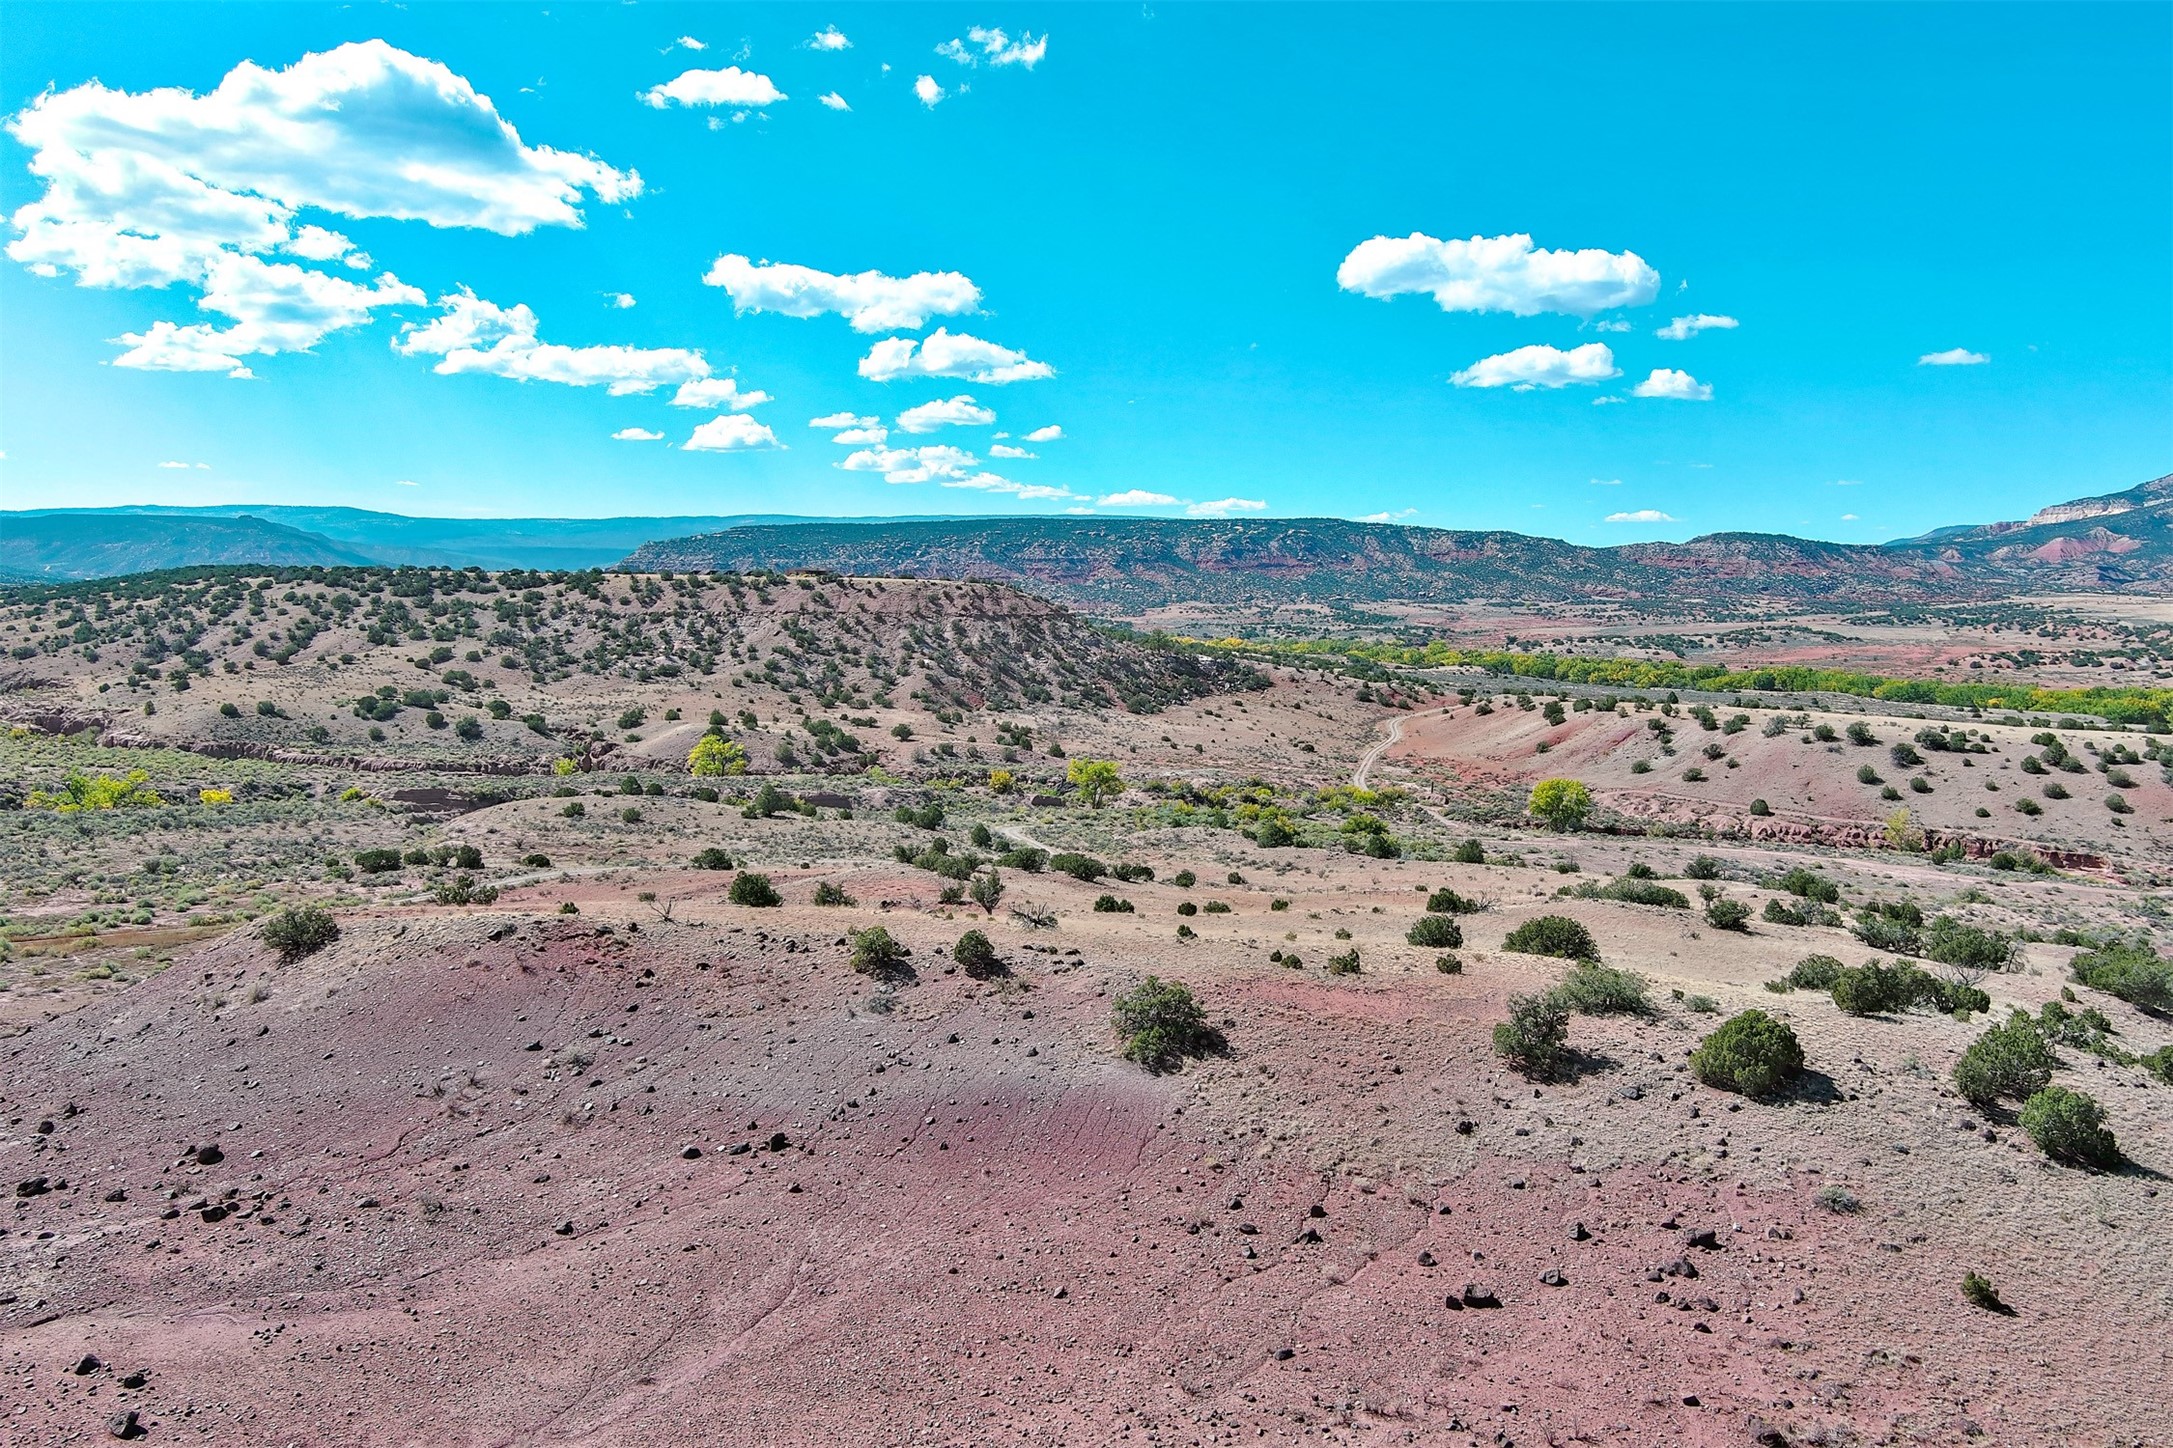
pixel 2120 542
pixel 67 543
pixel 2117 543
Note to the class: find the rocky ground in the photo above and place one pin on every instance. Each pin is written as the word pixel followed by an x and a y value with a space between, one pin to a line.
pixel 508 1176
pixel 607 1158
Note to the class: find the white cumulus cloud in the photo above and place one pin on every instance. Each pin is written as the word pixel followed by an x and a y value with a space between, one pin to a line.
pixel 1642 515
pixel 991 483
pixel 912 464
pixel 862 436
pixel 731 87
pixel 1137 498
pixel 1682 329
pixel 688 42
pixel 167 186
pixel 943 353
pixel 1224 507
pixel 960 411
pixel 471 334
pixel 1668 383
pixel 1541 366
pixel 834 101
pixel 1498 274
pixel 636 434
pixel 870 301
pixel 1006 450
pixel 1954 357
pixel 732 432
pixel 1051 433
pixel 622 300
pixel 717 392
pixel 995 47
pixel 930 93
pixel 843 419
pixel 829 38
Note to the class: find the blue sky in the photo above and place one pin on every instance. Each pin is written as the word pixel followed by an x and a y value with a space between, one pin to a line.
pixel 1151 227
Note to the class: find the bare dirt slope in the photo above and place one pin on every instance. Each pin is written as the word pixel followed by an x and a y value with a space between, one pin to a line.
pixel 504 1177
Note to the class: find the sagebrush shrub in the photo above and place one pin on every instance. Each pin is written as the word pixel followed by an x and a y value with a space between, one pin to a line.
pixel 1535 1038
pixel 749 888
pixel 1751 1053
pixel 1815 972
pixel 2012 1060
pixel 1728 915
pixel 1161 1024
pixel 1435 932
pixel 1593 989
pixel 2138 976
pixel 1555 935
pixel 876 953
pixel 2069 1126
pixel 300 931
pixel 976 956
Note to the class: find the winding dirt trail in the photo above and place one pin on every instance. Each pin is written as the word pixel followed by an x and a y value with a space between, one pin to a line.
pixel 1394 737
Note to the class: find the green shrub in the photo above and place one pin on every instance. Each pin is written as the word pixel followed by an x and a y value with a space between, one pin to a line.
pixel 2069 1126
pixel 828 893
pixel 1555 935
pixel 1808 884
pixel 1836 1199
pixel 1186 907
pixel 377 862
pixel 2134 974
pixel 1025 858
pixel 1161 1024
pixel 1078 866
pixel 2159 1063
pixel 876 953
pixel 1593 989
pixel 462 890
pixel 1535 1038
pixel 1701 1005
pixel 1966 948
pixel 1977 1291
pixel 1453 964
pixel 1751 1053
pixel 1111 905
pixel 1470 852
pixel 300 931
pixel 2011 1060
pixel 1810 912
pixel 1883 932
pixel 748 888
pixel 1815 972
pixel 1184 879
pixel 976 956
pixel 1702 867
pixel 1874 988
pixel 1435 932
pixel 1633 890
pixel 1728 915
pixel 1128 874
pixel 712 859
pixel 1446 901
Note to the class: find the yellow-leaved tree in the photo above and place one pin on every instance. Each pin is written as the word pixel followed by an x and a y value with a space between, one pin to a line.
pixel 714 756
